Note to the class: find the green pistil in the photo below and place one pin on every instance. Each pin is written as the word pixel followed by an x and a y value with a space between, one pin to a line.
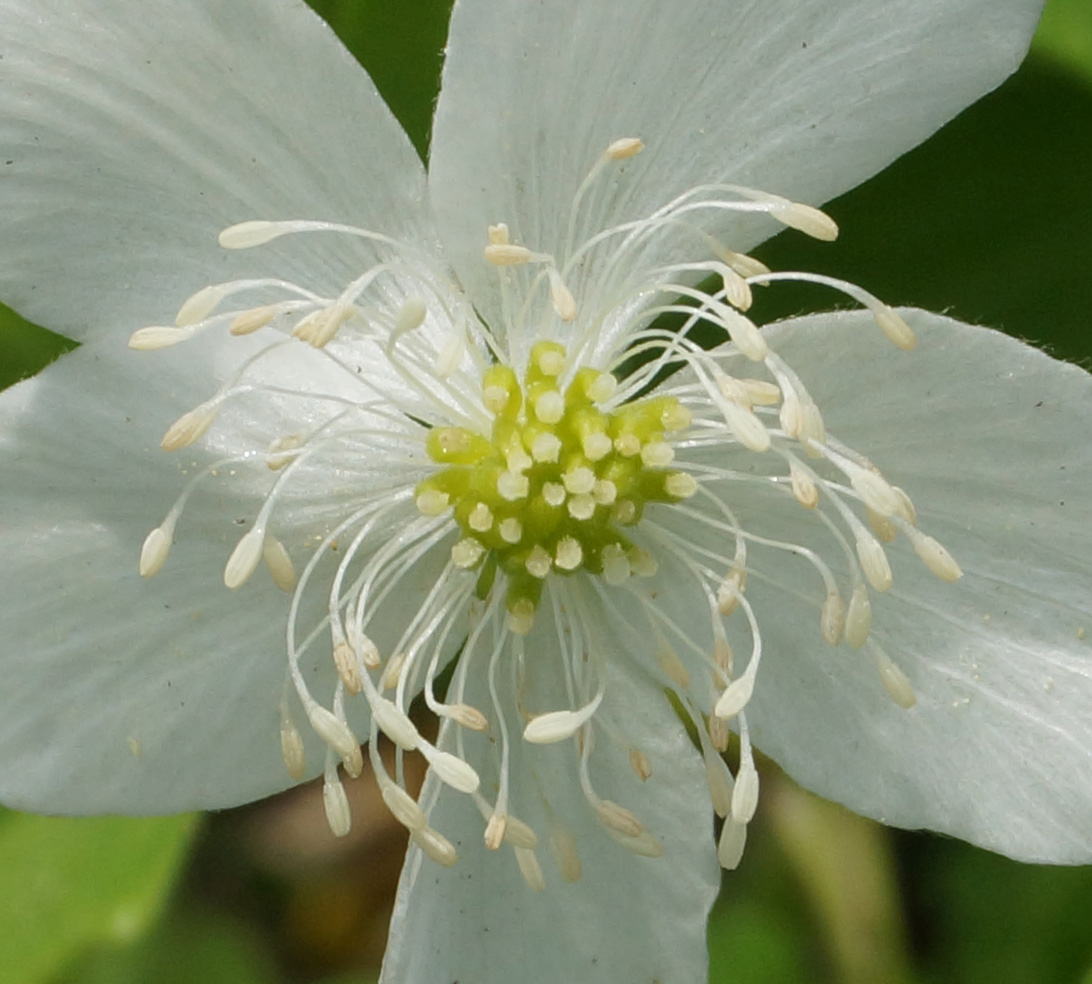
pixel 554 484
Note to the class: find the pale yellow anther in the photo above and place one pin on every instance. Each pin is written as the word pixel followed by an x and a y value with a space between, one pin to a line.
pixel 892 324
pixel 550 406
pixel 498 234
pixel 729 590
pixel 761 393
pixel 156 337
pixel 724 658
pixel 436 846
pixel 569 554
pixel 627 445
pixel 719 733
pixel 353 763
pixel 616 567
pixel 605 492
pixel 884 528
pixel 579 480
pixel 404 808
pixel 657 454
pixel 671 665
pixel 244 558
pixel 295 760
pixel 618 819
pixel 745 792
pixel 733 839
pixel 546 448
pixel 336 804
pixel 466 553
pixel 562 300
pixel 507 254
pixel 531 870
pixel 581 507
pixel 538 562
pixel 279 563
pixel 832 619
pixel 332 730
pixel 433 502
pixel 450 355
pixel 625 147
pixel 737 291
pixel 744 333
pixel 395 723
pixel 200 305
pixel 511 530
pixel 519 834
pixel 601 388
pixel 467 716
pixel 933 555
pixel 188 428
pixel 874 562
pixel 744 265
pixel 894 681
pixel 481 518
pixel 553 493
pixel 807 219
pixel 512 487
pixel 675 417
pixel 803 486
pixel 735 697
pixel 154 551
pixel 250 321
pixel 246 235
pixel 640 764
pixel 859 616
pixel 906 509
pixel 522 617
pixel 494 830
pixel 393 671
pixel 347 669
pixel 719 781
pixel 746 427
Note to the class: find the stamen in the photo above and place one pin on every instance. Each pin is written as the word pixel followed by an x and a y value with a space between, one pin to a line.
pixel 336 804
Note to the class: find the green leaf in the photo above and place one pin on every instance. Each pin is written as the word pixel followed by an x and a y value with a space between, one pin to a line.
pixel 66 883
pixel 1065 36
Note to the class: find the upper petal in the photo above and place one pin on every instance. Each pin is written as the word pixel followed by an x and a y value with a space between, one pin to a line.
pixel 805 99
pixel 131 133
pixel 990 438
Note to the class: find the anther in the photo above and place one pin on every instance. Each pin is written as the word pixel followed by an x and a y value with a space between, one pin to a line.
pixel 494 830
pixel 332 730
pixel 295 761
pixel 832 620
pixel 466 716
pixel 250 321
pixel 156 547
pixel 561 297
pixel 336 804
pixel 538 562
pixel 873 561
pixel 735 697
pixel 569 553
pixel 624 148
pixel 894 681
pixel 246 235
pixel 466 553
pixel 530 868
pixel 189 427
pixel 640 764
pixel 596 446
pixel 859 616
pixel 733 839
pixel 498 234
pixel 481 518
pixel 892 324
pixel 618 819
pixel 394 723
pixel 719 781
pixel 601 387
pixel 200 305
pixel 156 337
pixel 563 850
pixel 933 555
pixel 404 808
pixel 393 673
pixel 347 670
pixel 451 770
pixel 803 487
pixel 279 562
pixel 747 428
pixel 507 254
pixel 519 834
pixel 433 502
pixel 436 846
pixel 671 664
pixel 807 219
pixel 244 558
pixel 511 530
pixel 554 726
pixel 745 792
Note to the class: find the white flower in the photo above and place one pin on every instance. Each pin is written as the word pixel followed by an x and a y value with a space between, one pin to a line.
pixel 440 462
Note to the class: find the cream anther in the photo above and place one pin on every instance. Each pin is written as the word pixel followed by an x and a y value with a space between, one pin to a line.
pixel 735 696
pixel 675 417
pixel 353 763
pixel 745 792
pixel 494 830
pixel 832 619
pixel 244 558
pixel 874 489
pixel 627 445
pixel 907 510
pixel 638 761
pixel 884 528
pixel 521 618
pixel 807 219
pixel 257 232
pixel 279 563
pixel 512 487
pixel 403 807
pixel 859 616
pixel 618 819
pixel 332 730
pixel 744 333
pixel 733 839
pixel 933 555
pixel 433 502
pixel 393 673
pixel 498 234
pixel 680 485
pixel 250 321
pixel 394 723
pixel 898 332
pixel 761 392
pixel 436 846
pixel 550 406
pixel 480 519
pixel 156 547
pixel 873 561
pixel 511 530
pixel 744 265
pixel 519 834
pixel 644 845
pixel 561 298
pixel 719 781
pixel 369 652
pixel 671 664
pixel 156 337
pixel 894 681
pixel 200 305
pixel 737 291
pixel 554 726
pixel 451 770
pixel 507 254
pixel 467 716
pixel 531 870
pixel 596 446
pixel 569 554
pixel 295 761
pixel 538 562
pixel 189 427
pixel 601 388
pixel 336 805
pixel 411 316
pixel 625 147
pixel 803 487
pixel 347 670
pixel 450 355
pixel 729 590
pixel 747 428
pixel 546 448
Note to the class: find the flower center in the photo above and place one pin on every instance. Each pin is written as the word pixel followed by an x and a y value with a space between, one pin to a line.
pixel 556 480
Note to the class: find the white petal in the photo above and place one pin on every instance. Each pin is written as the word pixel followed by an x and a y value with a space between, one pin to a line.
pixel 94 655
pixel 133 135
pixel 626 917
pixel 801 99
pixel 991 440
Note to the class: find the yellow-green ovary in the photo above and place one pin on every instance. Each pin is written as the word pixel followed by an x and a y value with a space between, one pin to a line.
pixel 552 486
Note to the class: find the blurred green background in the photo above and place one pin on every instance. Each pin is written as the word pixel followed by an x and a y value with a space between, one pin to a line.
pixel 990 221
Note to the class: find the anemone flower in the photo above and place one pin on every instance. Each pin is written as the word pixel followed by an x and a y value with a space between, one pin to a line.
pixel 401 458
